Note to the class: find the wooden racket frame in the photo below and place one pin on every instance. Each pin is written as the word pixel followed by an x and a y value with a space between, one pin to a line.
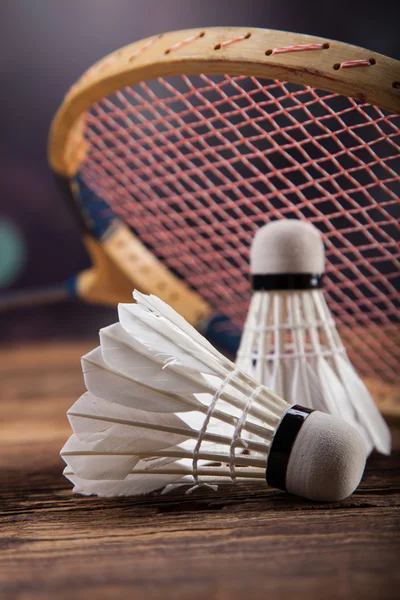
pixel 221 50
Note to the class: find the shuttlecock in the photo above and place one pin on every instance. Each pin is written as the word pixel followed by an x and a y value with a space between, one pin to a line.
pixel 290 342
pixel 164 407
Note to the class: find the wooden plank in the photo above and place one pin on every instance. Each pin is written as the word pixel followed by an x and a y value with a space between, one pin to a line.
pixel 243 540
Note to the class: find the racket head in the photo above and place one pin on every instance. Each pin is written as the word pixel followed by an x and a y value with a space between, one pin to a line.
pixel 195 71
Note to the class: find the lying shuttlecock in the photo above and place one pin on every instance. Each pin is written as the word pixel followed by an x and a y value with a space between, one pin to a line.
pixel 164 407
pixel 290 342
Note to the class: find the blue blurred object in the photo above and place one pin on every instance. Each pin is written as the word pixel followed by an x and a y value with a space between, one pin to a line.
pixel 12 253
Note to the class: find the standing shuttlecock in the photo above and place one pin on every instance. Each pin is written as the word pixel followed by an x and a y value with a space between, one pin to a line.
pixel 164 407
pixel 290 342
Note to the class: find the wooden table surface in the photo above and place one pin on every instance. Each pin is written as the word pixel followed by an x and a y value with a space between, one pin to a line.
pixel 239 542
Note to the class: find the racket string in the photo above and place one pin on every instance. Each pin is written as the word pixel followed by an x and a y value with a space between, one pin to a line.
pixel 195 164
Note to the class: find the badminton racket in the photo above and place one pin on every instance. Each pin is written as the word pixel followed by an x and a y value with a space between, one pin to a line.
pixel 172 151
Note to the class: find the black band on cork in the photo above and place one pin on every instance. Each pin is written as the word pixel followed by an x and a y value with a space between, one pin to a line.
pixel 283 441
pixel 286 281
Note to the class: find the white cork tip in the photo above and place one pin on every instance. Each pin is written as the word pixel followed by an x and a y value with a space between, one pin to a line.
pixel 287 246
pixel 327 459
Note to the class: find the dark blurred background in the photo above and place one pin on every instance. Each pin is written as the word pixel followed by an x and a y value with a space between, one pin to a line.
pixel 45 45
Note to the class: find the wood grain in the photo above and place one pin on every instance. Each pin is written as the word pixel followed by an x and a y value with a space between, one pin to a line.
pixel 242 541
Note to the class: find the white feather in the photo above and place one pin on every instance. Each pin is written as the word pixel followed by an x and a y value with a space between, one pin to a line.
pixel 118 386
pixel 94 420
pixel 131 485
pixel 157 305
pixel 308 363
pixel 162 337
pixel 120 352
pixel 367 412
pixel 89 460
pixel 106 429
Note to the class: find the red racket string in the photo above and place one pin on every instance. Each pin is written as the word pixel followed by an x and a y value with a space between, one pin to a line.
pixel 196 164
